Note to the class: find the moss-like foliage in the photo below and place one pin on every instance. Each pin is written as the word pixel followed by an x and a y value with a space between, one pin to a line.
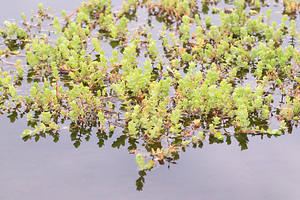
pixel 161 84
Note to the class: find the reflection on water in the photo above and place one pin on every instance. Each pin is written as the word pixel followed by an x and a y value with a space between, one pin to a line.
pixel 47 170
pixel 57 170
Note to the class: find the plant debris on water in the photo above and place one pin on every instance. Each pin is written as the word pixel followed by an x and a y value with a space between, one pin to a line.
pixel 161 84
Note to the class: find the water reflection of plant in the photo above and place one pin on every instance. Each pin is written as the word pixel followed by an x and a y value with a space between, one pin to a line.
pixel 159 96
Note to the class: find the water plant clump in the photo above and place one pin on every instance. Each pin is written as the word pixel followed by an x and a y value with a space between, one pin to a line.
pixel 161 91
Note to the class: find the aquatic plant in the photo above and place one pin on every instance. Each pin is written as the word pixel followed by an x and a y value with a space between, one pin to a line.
pixel 161 92
pixel 290 5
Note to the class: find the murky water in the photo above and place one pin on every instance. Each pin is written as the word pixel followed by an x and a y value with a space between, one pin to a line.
pixel 269 169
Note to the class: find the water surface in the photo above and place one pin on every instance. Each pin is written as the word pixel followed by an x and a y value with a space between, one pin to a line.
pixel 268 169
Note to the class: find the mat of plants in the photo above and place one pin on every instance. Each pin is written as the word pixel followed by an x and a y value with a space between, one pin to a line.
pixel 159 76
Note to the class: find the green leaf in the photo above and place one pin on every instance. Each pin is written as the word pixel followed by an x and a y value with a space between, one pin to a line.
pixel 140 161
pixel 219 135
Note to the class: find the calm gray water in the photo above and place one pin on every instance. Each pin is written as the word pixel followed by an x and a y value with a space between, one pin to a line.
pixel 45 170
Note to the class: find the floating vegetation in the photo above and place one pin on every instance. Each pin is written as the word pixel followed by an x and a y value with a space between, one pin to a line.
pixel 160 91
pixel 291 5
